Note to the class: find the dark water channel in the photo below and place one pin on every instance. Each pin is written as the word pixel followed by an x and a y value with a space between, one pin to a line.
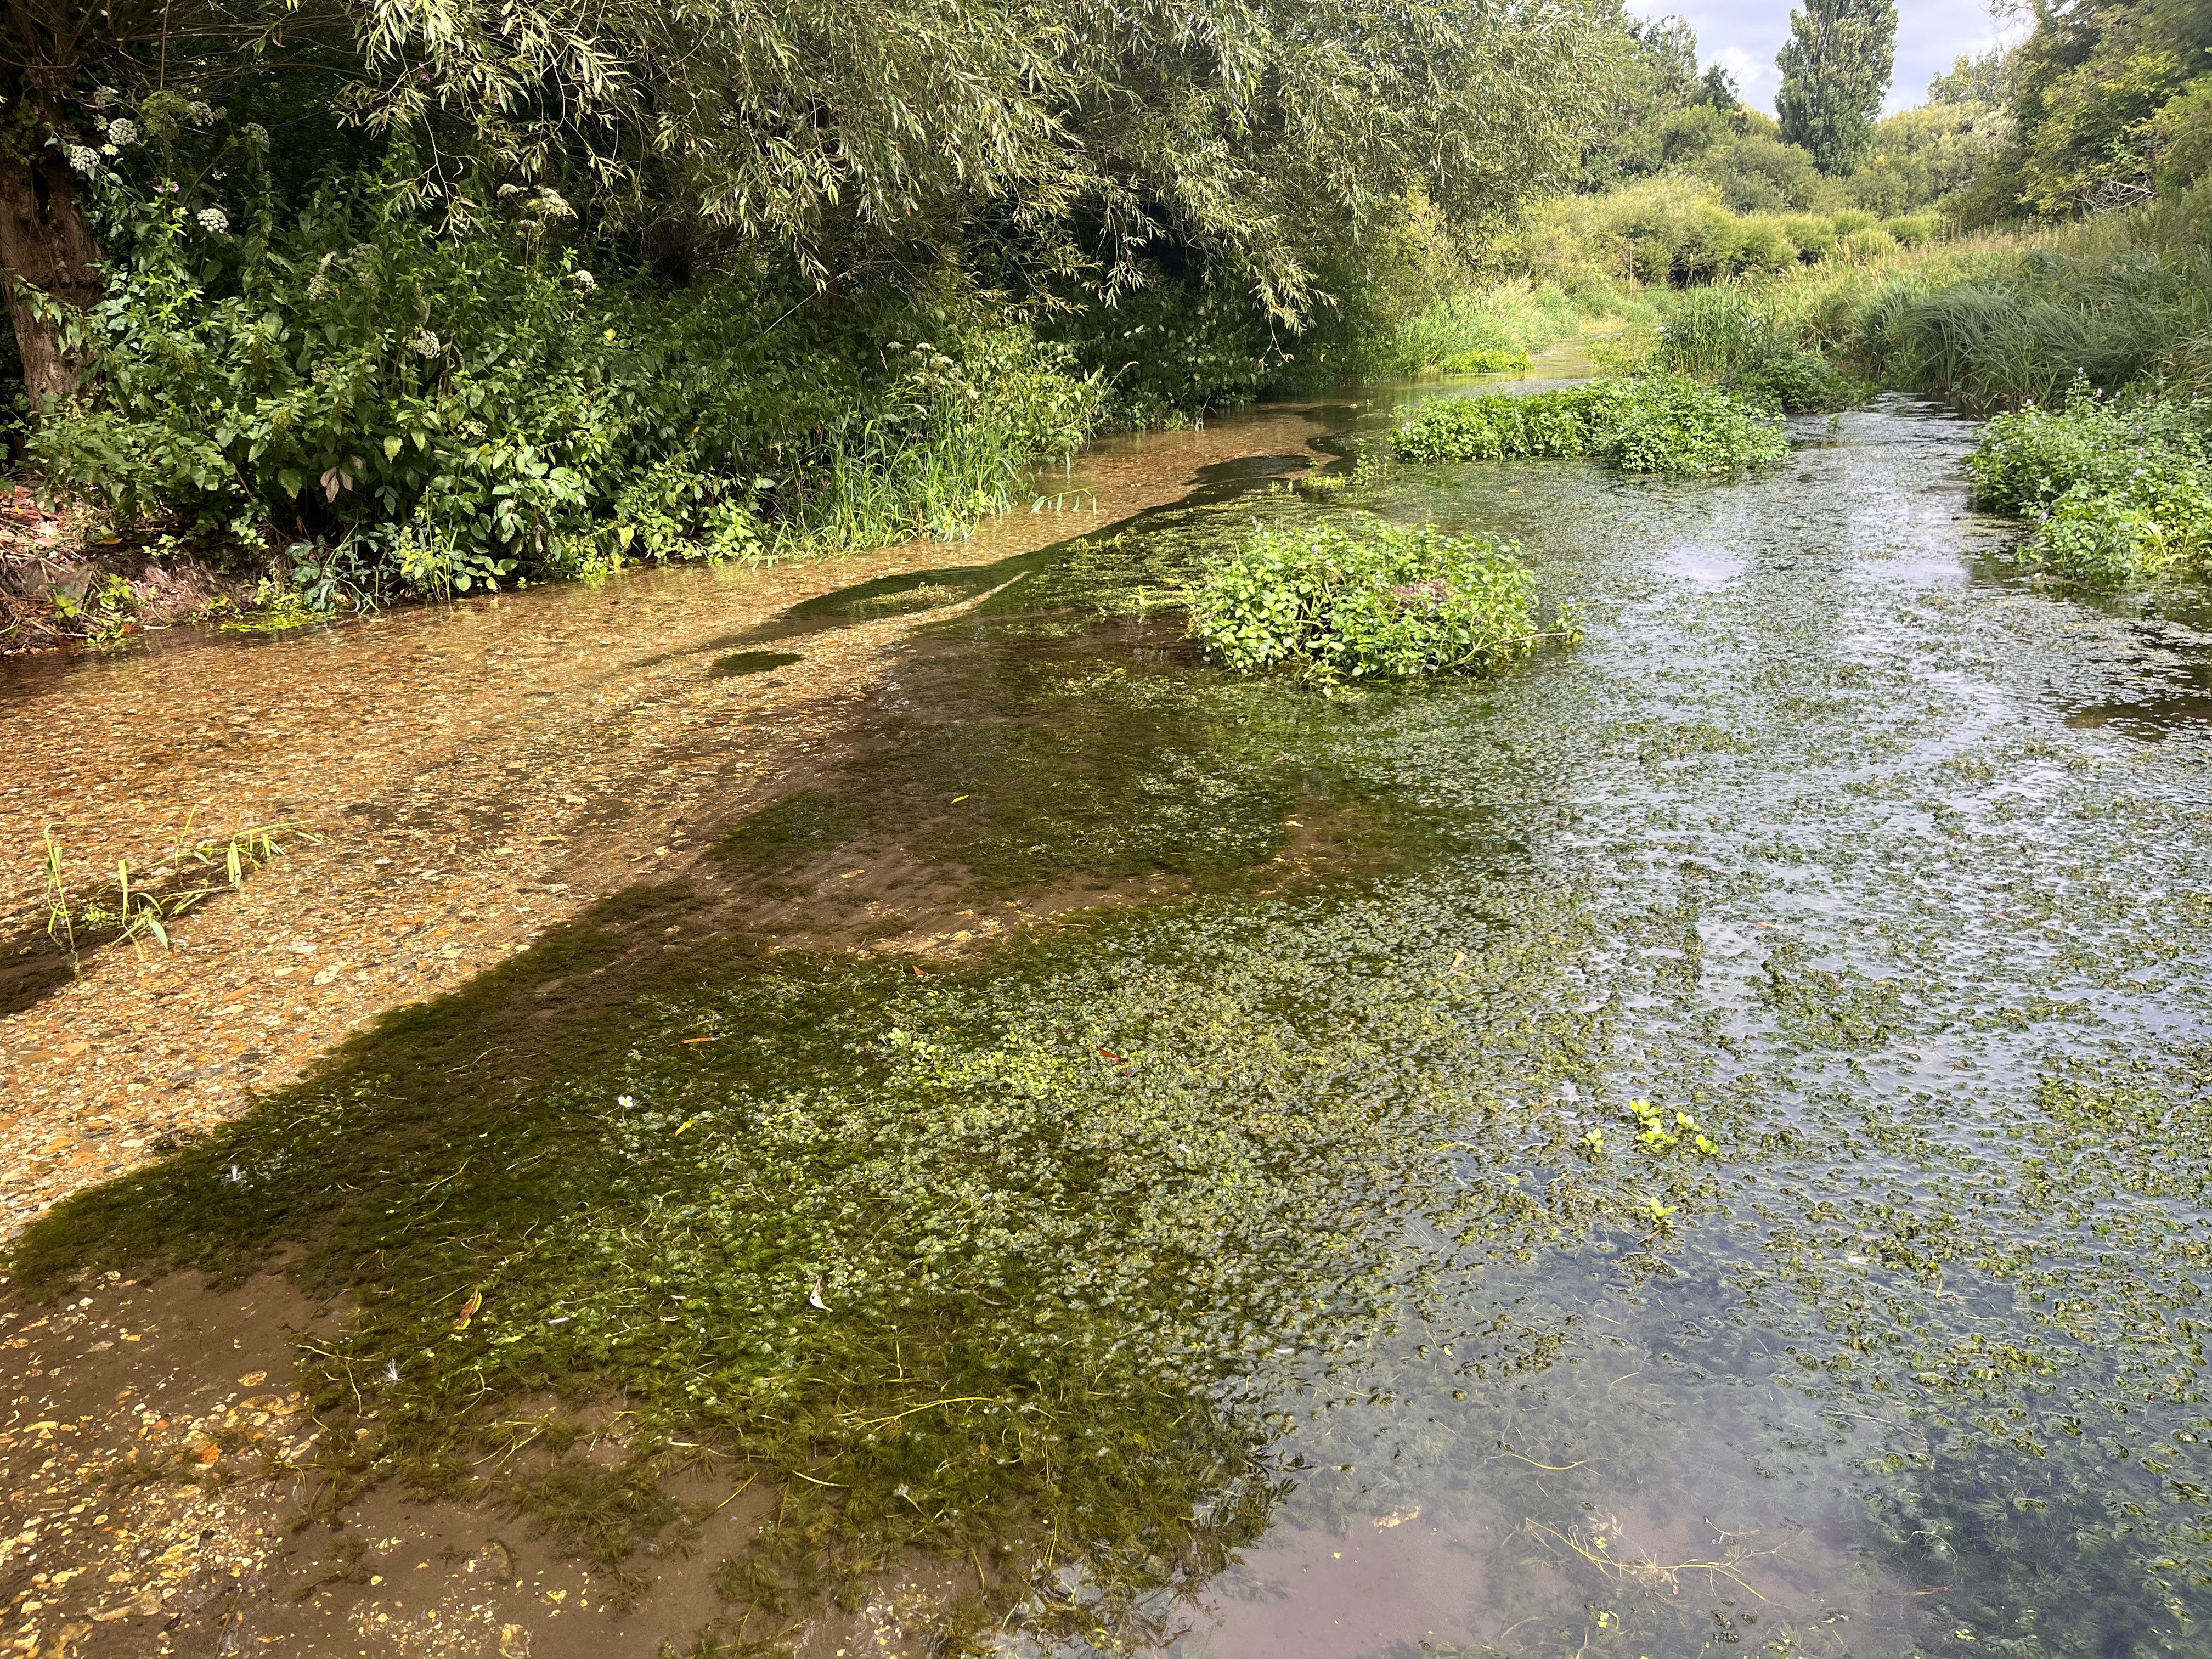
pixel 1698 1143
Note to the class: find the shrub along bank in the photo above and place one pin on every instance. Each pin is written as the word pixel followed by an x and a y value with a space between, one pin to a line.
pixel 400 409
pixel 2118 490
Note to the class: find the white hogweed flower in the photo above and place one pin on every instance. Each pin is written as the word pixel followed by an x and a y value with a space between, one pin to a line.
pixel 213 219
pixel 257 134
pixel 199 113
pixel 123 134
pixel 425 344
pixel 83 157
pixel 584 280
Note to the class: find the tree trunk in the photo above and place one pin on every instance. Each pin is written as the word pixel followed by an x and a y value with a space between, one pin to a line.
pixel 45 245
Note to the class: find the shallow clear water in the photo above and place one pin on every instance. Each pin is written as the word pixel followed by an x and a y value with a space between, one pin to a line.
pixel 1276 1262
pixel 1850 845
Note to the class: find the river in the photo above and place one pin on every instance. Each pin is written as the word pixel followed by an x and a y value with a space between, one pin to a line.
pixel 1697 1140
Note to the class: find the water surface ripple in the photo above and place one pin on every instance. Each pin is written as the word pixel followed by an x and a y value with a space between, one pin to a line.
pixel 1855 853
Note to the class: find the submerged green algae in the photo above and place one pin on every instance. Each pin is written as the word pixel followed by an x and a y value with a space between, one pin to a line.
pixel 1152 1241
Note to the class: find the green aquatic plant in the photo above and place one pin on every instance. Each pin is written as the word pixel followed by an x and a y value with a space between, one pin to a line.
pixel 1388 600
pixel 1642 424
pixel 2120 490
pixel 128 908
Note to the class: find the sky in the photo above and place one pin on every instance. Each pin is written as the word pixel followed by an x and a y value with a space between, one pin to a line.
pixel 1745 34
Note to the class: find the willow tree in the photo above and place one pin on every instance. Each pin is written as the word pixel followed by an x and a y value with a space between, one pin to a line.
pixel 1097 129
pixel 1089 132
pixel 1835 73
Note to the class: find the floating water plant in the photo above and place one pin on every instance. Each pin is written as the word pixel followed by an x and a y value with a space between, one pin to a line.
pixel 2119 491
pixel 1646 424
pixel 1388 600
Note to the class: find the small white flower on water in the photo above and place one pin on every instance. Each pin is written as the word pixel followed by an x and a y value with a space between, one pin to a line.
pixel 425 344
pixel 213 221
pixel 626 1102
pixel 584 280
pixel 234 1176
pixel 83 157
pixel 123 134
pixel 391 1371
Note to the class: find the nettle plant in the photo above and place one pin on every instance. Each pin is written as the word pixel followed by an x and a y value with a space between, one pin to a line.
pixel 391 405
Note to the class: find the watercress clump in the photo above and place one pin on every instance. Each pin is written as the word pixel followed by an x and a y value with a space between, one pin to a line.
pixel 1383 600
pixel 1645 423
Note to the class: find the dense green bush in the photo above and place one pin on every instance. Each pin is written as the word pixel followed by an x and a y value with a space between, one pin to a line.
pixel 404 408
pixel 1389 600
pixel 2158 521
pixel 2024 462
pixel 1676 229
pixel 2119 491
pixel 1643 423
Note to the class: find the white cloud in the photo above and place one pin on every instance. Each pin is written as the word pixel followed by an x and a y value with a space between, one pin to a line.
pixel 1744 35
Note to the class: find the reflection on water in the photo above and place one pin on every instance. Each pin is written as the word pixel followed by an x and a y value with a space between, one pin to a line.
pixel 2149 717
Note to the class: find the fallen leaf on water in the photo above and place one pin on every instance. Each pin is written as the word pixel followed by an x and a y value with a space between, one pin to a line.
pixel 469 1310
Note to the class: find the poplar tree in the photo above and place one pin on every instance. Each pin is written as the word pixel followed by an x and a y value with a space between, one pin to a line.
pixel 1835 73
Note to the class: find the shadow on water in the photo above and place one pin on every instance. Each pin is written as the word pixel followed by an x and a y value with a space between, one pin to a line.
pixel 1696 1141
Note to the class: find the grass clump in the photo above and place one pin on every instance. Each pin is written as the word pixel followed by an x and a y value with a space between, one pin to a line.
pixel 1390 601
pixel 1645 423
pixel 1494 330
pixel 1751 341
pixel 2120 491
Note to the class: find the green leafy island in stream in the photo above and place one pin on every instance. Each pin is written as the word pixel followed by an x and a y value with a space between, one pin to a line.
pixel 2120 490
pixel 1645 423
pixel 1736 1171
pixel 1384 600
